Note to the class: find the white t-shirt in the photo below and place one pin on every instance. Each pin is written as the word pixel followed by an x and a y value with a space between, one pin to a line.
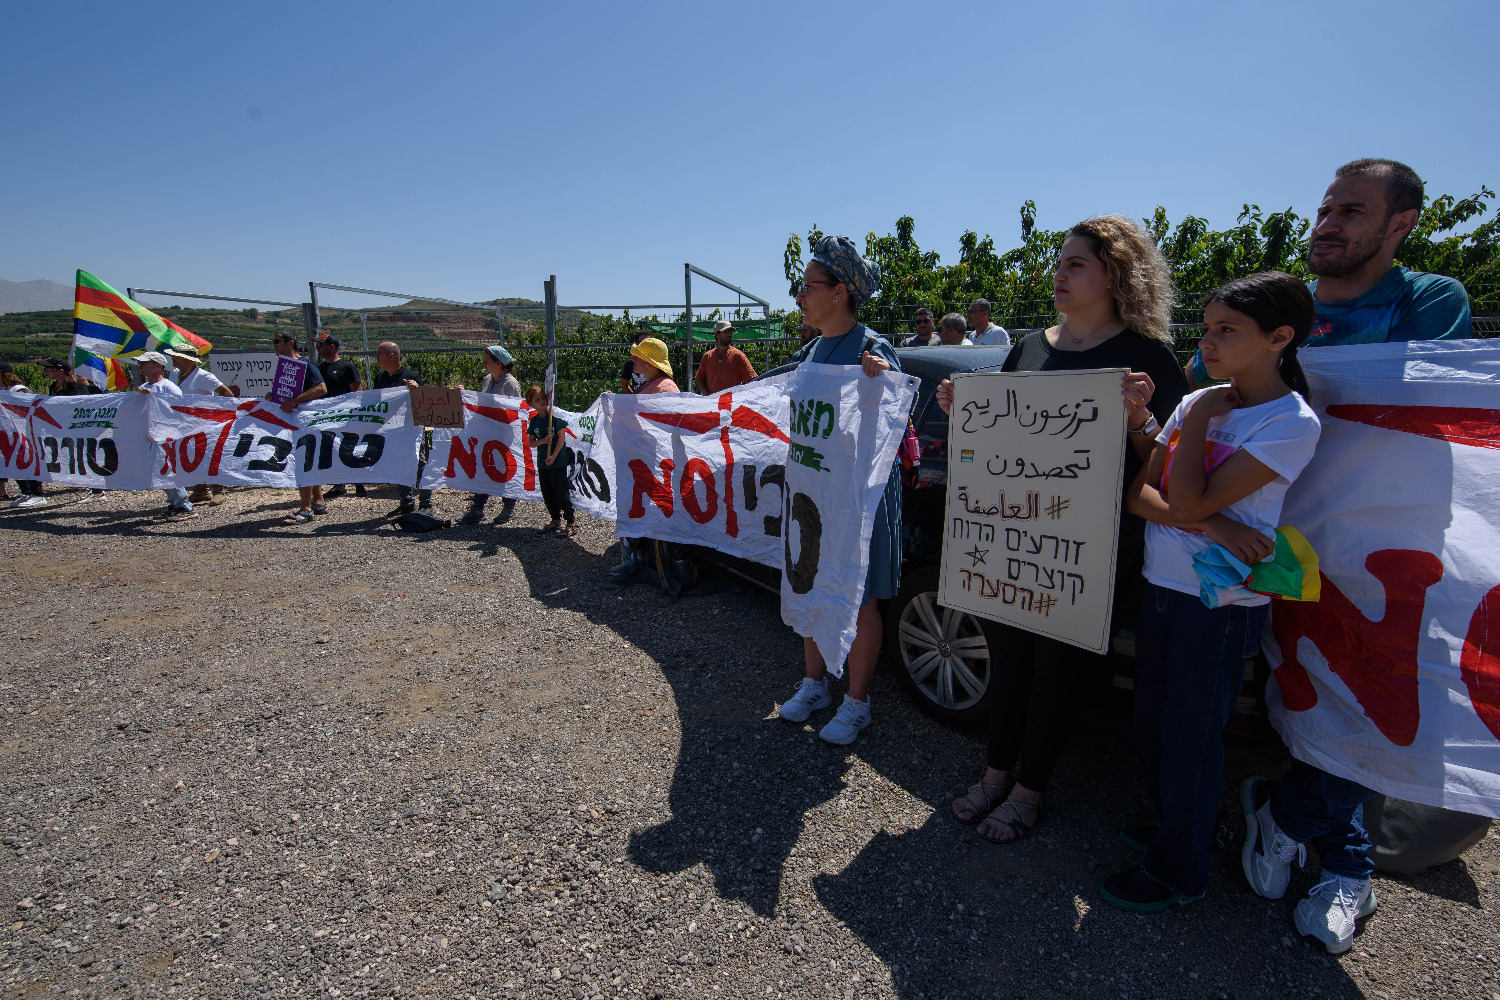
pixel 993 335
pixel 199 382
pixel 1282 435
pixel 164 388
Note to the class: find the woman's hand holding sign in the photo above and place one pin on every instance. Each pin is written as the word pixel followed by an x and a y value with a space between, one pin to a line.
pixel 874 366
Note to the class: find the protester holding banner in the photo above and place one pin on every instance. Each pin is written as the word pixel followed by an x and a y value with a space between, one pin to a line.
pixel 1114 290
pixel 10 383
pixel 499 380
pixel 834 284
pixel 153 366
pixel 392 374
pixel 310 498
pixel 548 433
pixel 1361 297
pixel 195 380
pixel 628 377
pixel 1211 496
pixel 651 370
pixel 64 382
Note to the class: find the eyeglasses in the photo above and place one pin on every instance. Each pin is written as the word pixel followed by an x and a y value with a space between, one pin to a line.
pixel 923 321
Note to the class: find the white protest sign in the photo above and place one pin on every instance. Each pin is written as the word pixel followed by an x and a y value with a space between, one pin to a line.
pixel 96 441
pixel 489 453
pixel 695 468
pixel 249 371
pixel 219 439
pixel 359 437
pixel 844 427
pixel 1392 678
pixel 17 455
pixel 1035 468
pixel 591 458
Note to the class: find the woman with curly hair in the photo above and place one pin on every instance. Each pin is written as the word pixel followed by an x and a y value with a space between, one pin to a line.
pixel 1114 291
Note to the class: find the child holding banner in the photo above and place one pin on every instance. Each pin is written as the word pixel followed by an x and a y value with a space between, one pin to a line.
pixel 1217 476
pixel 547 432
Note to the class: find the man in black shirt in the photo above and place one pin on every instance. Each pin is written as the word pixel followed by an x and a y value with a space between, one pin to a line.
pixel 341 377
pixel 393 374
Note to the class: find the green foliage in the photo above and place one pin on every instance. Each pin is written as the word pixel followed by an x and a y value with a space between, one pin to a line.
pixel 1019 281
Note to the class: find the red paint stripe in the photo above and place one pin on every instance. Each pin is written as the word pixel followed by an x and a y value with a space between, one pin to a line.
pixel 1472 426
pixel 700 423
pixel 752 421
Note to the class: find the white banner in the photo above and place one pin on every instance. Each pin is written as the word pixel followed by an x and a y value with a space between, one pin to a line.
pixel 695 469
pixel 250 371
pixel 844 428
pixel 489 454
pixel 359 437
pixel 17 454
pixel 98 441
pixel 1392 679
pixel 216 439
pixel 1035 468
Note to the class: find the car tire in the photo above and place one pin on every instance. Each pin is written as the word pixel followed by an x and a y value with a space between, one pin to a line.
pixel 945 658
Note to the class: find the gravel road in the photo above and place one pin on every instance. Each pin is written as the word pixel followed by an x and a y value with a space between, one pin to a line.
pixel 246 760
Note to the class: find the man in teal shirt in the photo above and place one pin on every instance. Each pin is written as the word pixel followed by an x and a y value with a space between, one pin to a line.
pixel 1362 296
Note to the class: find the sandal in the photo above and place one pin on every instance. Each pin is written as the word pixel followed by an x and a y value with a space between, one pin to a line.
pixel 320 508
pixel 548 529
pixel 1008 816
pixel 300 517
pixel 567 531
pixel 979 810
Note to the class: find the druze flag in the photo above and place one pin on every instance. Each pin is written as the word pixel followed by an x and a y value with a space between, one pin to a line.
pixel 1392 677
pixel 108 324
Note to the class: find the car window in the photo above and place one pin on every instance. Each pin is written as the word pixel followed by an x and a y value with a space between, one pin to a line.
pixel 932 435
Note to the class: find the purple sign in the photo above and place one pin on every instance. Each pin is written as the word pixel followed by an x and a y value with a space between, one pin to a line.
pixel 287 381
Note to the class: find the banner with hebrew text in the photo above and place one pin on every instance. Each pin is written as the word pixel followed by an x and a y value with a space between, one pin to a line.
pixel 1392 678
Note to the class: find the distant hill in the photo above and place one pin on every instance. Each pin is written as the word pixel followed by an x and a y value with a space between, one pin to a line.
pixel 34 296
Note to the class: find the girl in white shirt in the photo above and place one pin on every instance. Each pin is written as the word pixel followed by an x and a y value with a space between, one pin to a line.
pixel 1217 475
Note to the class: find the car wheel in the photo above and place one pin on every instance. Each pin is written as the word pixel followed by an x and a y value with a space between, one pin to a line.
pixel 944 657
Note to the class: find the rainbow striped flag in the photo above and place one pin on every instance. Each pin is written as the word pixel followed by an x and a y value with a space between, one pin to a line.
pixel 107 373
pixel 107 324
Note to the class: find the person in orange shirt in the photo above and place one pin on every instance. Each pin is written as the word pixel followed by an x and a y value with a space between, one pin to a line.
pixel 724 367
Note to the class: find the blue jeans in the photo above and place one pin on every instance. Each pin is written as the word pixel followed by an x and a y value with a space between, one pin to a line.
pixel 177 499
pixel 1189 668
pixel 1328 812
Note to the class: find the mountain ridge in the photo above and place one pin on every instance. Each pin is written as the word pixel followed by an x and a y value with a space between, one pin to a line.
pixel 34 296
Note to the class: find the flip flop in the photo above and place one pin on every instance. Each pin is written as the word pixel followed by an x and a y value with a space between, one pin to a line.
pixel 301 517
pixel 320 508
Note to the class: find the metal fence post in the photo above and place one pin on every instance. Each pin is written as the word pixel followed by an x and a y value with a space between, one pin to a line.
pixel 312 330
pixel 550 298
pixel 500 326
pixel 687 330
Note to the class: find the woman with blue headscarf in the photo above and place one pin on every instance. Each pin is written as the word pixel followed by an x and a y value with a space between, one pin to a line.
pixel 834 284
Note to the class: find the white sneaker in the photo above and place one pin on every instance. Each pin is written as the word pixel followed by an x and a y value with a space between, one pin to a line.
pixel 1332 909
pixel 89 497
pixel 1268 852
pixel 30 500
pixel 851 717
pixel 811 695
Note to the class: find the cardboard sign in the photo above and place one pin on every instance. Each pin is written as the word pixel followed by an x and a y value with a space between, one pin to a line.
pixel 287 382
pixel 251 372
pixel 434 406
pixel 1035 468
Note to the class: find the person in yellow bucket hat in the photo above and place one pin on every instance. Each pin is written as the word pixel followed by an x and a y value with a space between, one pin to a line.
pixel 653 372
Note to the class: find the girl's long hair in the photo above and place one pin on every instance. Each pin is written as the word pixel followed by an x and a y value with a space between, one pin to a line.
pixel 1274 299
pixel 1139 276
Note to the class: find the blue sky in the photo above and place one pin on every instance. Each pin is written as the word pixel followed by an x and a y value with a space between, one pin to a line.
pixel 469 150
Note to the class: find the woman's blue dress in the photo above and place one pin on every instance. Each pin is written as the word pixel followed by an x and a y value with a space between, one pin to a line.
pixel 884 576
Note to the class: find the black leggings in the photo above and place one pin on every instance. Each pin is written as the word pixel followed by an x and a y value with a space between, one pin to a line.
pixel 555 492
pixel 1037 686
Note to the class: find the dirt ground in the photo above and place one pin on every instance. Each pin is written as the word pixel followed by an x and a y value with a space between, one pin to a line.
pixel 247 760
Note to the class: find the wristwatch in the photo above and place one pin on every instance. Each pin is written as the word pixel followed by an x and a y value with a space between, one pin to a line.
pixel 1149 427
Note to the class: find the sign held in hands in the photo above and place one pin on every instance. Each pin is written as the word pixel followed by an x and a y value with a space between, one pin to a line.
pixel 434 406
pixel 1035 468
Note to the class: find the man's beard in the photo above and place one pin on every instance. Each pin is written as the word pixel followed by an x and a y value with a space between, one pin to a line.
pixel 1354 257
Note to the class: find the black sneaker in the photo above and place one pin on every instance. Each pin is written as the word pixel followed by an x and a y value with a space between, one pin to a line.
pixel 1138 837
pixel 359 489
pixel 335 491
pixel 407 506
pixel 1138 892
pixel 473 515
